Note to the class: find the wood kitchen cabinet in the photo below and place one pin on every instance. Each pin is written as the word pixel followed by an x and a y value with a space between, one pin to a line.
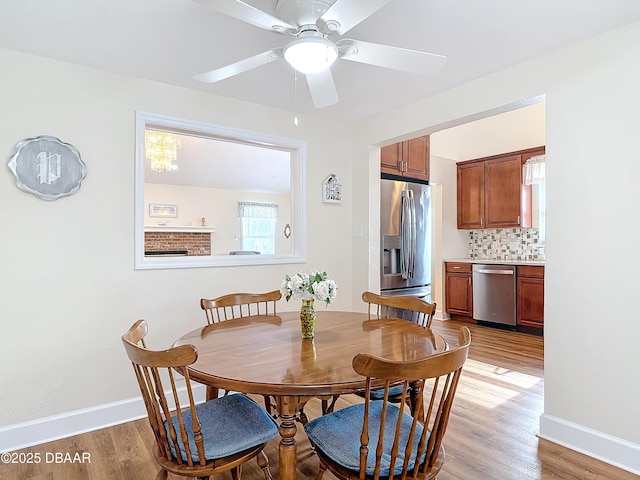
pixel 491 193
pixel 459 288
pixel 470 195
pixel 408 159
pixel 530 295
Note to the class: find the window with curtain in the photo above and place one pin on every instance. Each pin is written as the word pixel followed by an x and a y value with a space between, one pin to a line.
pixel 258 226
pixel 534 175
pixel 534 170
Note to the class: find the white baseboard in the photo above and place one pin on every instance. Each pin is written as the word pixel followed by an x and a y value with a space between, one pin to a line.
pixel 47 429
pixel 440 315
pixel 612 450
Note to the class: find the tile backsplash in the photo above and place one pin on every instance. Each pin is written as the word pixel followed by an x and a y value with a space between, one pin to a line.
pixel 506 244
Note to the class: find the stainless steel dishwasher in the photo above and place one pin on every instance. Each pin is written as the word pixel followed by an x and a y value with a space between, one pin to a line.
pixel 494 294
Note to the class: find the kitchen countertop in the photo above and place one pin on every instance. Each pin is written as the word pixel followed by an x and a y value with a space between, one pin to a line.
pixel 488 261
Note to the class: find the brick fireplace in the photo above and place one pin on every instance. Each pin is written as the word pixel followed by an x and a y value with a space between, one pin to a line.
pixel 193 243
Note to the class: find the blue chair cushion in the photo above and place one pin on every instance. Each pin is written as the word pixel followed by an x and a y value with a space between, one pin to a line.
pixel 337 435
pixel 378 394
pixel 230 424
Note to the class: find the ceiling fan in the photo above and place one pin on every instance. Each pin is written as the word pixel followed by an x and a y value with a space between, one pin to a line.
pixel 313 25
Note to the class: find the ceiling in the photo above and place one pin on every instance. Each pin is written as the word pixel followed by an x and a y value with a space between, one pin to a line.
pixel 170 41
pixel 210 163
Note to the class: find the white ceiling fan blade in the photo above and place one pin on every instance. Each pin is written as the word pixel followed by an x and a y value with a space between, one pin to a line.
pixel 343 15
pixel 323 90
pixel 248 13
pixel 411 61
pixel 239 67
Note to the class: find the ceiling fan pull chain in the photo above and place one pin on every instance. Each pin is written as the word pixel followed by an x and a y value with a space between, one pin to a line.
pixel 295 97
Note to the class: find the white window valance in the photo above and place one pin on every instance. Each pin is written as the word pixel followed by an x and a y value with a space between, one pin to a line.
pixel 257 210
pixel 533 170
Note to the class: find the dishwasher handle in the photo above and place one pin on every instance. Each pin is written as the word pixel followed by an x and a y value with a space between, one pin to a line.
pixel 495 272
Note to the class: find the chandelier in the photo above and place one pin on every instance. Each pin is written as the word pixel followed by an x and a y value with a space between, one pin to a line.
pixel 161 148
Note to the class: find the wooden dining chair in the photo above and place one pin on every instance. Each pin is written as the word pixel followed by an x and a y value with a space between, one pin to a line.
pixel 238 305
pixel 378 439
pixel 402 307
pixel 195 440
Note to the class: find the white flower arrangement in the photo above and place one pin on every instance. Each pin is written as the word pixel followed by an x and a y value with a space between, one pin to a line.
pixel 315 285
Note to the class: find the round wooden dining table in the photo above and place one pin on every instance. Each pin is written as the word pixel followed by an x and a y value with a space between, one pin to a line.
pixel 265 355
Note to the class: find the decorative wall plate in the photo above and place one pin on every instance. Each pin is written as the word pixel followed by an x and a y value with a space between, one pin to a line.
pixel 47 167
pixel 331 190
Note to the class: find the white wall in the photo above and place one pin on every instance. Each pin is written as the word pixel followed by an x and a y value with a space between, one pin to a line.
pixel 592 366
pixel 506 132
pixel 448 241
pixel 69 286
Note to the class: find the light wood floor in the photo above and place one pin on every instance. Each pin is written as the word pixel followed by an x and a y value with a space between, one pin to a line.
pixel 491 434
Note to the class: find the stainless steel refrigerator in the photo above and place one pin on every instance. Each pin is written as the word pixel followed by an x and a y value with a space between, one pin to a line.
pixel 405 238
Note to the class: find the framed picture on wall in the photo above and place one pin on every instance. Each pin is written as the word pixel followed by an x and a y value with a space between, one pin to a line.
pixel 331 190
pixel 163 210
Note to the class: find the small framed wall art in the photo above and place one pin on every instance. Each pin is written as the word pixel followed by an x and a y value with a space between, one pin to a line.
pixel 47 167
pixel 331 190
pixel 163 210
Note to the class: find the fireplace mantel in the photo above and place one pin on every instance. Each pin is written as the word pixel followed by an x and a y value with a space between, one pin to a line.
pixel 179 228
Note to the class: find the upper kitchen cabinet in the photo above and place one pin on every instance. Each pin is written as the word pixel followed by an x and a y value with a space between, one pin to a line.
pixel 408 159
pixel 491 193
pixel 471 195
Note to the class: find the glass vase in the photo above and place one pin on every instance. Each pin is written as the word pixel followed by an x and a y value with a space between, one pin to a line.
pixel 308 318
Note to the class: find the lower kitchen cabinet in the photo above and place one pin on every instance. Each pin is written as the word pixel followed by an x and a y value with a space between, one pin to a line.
pixel 530 288
pixel 459 288
pixel 529 294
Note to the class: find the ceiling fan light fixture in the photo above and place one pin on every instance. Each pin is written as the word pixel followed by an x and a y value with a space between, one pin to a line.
pixel 310 52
